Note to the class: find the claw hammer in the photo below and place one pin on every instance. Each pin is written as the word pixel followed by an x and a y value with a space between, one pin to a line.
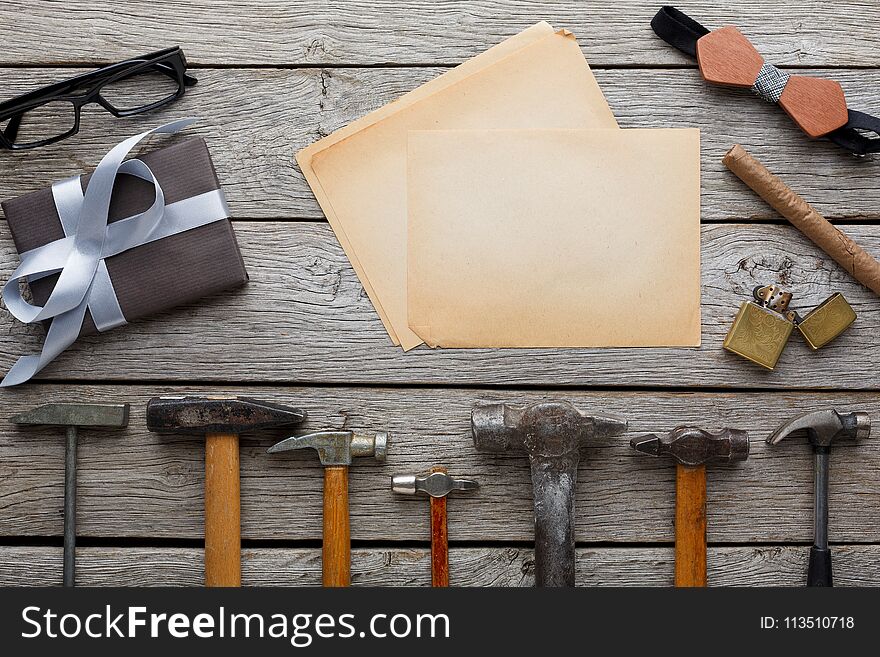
pixel 822 428
pixel 336 450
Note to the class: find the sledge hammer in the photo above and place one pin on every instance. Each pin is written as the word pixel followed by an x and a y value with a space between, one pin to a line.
pixel 221 420
pixel 73 416
pixel 692 448
pixel 336 450
pixel 551 434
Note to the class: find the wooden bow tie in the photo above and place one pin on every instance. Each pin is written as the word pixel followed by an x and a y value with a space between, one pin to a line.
pixel 726 57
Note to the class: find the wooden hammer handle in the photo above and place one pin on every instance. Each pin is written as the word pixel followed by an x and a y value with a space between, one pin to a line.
pixel 690 525
pixel 222 511
pixel 439 543
pixel 337 528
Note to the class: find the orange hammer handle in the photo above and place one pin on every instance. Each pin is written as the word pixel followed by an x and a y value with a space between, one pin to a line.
pixel 222 511
pixel 690 525
pixel 337 528
pixel 439 543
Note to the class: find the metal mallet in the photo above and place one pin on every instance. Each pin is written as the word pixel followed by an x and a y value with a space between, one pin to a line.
pixel 73 416
pixel 436 484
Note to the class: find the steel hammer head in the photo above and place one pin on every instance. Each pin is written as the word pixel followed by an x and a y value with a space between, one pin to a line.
pixel 75 415
pixel 337 447
pixel 543 429
pixel 436 483
pixel 825 426
pixel 201 415
pixel 693 446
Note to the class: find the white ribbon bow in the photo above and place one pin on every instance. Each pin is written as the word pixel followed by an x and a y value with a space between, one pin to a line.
pixel 84 282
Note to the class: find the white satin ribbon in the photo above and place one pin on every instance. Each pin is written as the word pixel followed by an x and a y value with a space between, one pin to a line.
pixel 84 282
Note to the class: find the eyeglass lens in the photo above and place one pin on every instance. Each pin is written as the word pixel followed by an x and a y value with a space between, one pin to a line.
pixel 141 90
pixel 47 121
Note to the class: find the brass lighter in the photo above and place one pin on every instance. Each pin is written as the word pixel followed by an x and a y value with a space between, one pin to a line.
pixel 761 330
pixel 824 322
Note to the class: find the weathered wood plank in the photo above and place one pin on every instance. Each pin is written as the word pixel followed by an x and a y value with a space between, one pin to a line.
pixel 855 565
pixel 139 484
pixel 255 120
pixel 345 31
pixel 304 317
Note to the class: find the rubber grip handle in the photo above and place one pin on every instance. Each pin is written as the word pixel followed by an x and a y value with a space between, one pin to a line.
pixel 439 543
pixel 690 525
pixel 337 529
pixel 222 511
pixel 819 572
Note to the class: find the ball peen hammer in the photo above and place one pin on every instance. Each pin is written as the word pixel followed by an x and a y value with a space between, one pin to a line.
pixel 336 449
pixel 551 434
pixel 692 448
pixel 221 420
pixel 822 428
pixel 73 416
pixel 437 484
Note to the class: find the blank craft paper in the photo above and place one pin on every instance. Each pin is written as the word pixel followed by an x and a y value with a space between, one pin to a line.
pixel 359 174
pixel 554 238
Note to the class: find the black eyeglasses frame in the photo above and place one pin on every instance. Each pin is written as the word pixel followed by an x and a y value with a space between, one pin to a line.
pixel 170 61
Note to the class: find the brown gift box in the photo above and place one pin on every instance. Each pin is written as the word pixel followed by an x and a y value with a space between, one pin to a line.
pixel 157 276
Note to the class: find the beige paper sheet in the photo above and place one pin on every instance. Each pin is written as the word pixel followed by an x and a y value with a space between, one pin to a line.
pixel 559 238
pixel 359 174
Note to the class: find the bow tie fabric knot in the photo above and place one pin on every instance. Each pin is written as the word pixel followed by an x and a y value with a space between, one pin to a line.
pixel 725 56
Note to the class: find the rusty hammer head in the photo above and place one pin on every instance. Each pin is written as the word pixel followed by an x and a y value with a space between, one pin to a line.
pixel 436 483
pixel 824 427
pixel 543 430
pixel 551 433
pixel 75 415
pixel 692 446
pixel 337 448
pixel 203 415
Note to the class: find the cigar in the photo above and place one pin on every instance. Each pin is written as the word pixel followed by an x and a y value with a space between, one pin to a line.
pixel 849 255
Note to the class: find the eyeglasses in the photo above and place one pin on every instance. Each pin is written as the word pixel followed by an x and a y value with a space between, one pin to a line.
pixel 50 114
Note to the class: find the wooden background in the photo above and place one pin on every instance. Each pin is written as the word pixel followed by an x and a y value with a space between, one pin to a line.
pixel 279 74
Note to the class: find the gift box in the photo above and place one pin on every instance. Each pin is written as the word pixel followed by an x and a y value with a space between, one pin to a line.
pixel 158 274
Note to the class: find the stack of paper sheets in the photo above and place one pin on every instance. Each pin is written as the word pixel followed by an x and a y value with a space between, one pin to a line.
pixel 499 205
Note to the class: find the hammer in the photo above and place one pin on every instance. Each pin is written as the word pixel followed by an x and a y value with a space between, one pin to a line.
pixel 73 416
pixel 335 451
pixel 692 448
pixel 823 428
pixel 437 484
pixel 551 434
pixel 221 420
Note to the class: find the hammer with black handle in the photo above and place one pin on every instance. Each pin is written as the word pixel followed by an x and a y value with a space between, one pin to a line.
pixel 73 416
pixel 823 428
pixel 336 450
pixel 221 420
pixel 692 449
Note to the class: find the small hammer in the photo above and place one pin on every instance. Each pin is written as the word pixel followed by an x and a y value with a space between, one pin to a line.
pixel 692 448
pixel 335 451
pixel 551 434
pixel 72 416
pixel 823 428
pixel 437 484
pixel 221 420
